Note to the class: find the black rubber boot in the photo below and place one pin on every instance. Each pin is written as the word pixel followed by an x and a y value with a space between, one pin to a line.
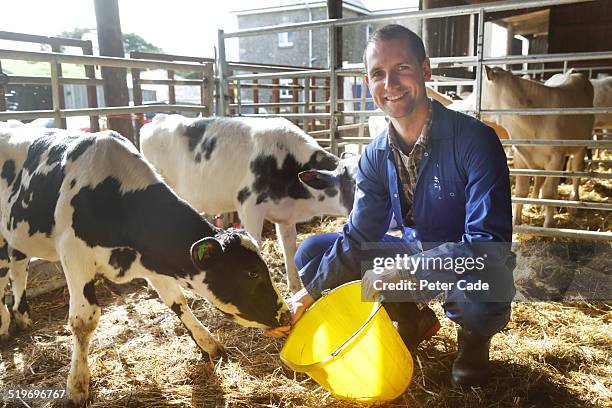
pixel 471 366
pixel 413 325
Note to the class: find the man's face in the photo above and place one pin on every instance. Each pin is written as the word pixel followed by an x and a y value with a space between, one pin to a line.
pixel 395 77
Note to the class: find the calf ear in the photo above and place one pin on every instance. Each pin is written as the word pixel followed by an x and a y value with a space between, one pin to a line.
pixel 489 72
pixel 205 251
pixel 317 179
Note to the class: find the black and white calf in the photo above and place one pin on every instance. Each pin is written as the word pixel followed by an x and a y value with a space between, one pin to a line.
pixel 92 202
pixel 261 168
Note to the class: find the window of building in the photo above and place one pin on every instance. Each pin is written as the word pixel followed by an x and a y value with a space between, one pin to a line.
pixel 285 39
pixel 286 93
pixel 369 31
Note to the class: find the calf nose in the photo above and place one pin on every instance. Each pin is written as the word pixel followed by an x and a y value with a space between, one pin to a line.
pixel 285 319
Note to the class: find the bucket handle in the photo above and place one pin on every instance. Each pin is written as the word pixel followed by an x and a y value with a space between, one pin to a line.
pixel 341 347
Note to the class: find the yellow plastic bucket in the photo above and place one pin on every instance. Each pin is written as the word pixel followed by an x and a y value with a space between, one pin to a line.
pixel 350 347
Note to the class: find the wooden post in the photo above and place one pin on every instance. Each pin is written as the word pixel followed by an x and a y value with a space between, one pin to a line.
pixel 92 94
pixel 255 96
pixel 313 99
pixel 171 90
pixel 296 96
pixel 2 92
pixel 55 47
pixel 334 10
pixel 208 88
pixel 110 40
pixel 137 95
pixel 276 94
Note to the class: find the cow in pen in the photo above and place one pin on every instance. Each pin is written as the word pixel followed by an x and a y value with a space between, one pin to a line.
pixel 92 202
pixel 261 168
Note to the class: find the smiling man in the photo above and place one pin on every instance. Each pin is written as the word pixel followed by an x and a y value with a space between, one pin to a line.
pixel 441 177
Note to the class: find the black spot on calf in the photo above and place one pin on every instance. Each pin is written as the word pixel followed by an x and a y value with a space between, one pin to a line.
pixel 23 305
pixel 195 132
pixel 3 272
pixel 243 195
pixel 208 145
pixel 36 203
pixel 153 222
pixel 122 259
pixel 8 171
pixel 35 152
pixel 4 252
pixel 176 308
pixel 18 255
pixel 89 291
pixel 82 145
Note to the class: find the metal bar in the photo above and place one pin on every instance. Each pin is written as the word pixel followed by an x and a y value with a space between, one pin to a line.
pixel 273 104
pixel 564 203
pixel 99 111
pixel 531 112
pixel 194 82
pixel 579 56
pixel 562 232
pixel 287 115
pixel 279 86
pixel 421 14
pixel 537 71
pixel 257 67
pixel 91 60
pixel 479 56
pixel 44 80
pixel 547 111
pixel 558 173
pixel 169 57
pixel 468 61
pixel 41 39
pixel 284 74
pixel 568 143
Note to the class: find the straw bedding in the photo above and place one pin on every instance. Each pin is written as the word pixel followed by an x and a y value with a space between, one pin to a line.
pixel 551 353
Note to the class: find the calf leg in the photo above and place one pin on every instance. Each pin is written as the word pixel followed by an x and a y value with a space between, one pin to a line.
pixel 83 319
pixel 252 219
pixel 549 188
pixel 5 264
pixel 577 164
pixel 287 236
pixel 5 316
pixel 19 277
pixel 172 295
pixel 521 188
pixel 537 186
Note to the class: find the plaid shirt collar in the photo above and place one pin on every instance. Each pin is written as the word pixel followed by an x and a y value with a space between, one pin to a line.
pixel 422 141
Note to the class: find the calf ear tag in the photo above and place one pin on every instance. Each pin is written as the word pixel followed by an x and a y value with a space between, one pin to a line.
pixel 205 250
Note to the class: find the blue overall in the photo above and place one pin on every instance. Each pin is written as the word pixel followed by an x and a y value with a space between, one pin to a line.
pixel 461 208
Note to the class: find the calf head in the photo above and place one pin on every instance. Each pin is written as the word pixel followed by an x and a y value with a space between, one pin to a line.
pixel 238 280
pixel 337 186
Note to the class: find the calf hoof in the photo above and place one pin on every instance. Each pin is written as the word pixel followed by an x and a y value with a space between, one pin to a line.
pixel 22 320
pixel 218 353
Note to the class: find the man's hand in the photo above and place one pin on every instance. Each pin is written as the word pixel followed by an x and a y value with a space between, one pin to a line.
pixel 372 282
pixel 297 304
